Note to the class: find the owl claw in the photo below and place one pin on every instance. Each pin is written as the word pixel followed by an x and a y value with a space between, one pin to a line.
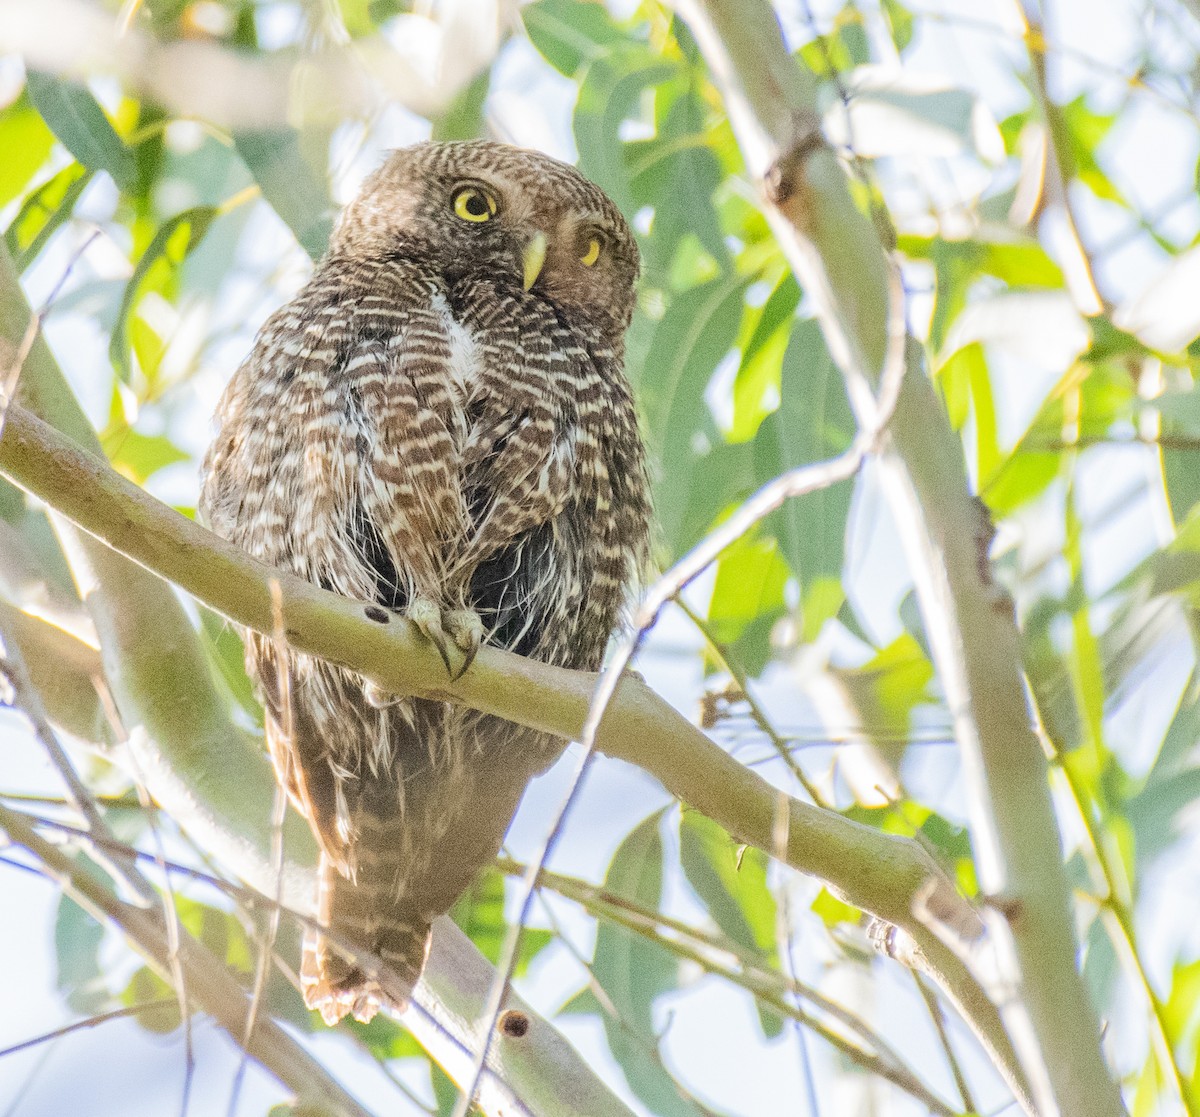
pixel 460 629
pixel 467 629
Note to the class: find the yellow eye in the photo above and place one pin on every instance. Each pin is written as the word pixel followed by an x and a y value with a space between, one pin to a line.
pixel 473 204
pixel 592 254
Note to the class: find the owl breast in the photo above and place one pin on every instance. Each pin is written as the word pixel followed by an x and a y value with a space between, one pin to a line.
pixel 404 438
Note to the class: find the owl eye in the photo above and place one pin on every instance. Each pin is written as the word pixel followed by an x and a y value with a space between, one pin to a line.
pixel 473 204
pixel 592 254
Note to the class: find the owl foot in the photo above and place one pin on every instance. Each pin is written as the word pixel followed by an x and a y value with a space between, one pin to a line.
pixel 455 628
pixel 467 629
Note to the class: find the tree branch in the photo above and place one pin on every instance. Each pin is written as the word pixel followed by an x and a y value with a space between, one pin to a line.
pixel 213 778
pixel 215 989
pixel 880 873
pixel 836 253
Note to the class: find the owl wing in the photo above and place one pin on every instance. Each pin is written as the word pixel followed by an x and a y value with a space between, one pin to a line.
pixel 521 460
pixel 409 424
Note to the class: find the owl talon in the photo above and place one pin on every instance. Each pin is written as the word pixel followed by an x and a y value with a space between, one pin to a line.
pixel 467 629
pixel 427 616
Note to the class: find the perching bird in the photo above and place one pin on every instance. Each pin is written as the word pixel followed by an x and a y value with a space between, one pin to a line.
pixel 438 423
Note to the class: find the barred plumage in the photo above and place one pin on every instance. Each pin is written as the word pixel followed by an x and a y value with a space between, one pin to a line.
pixel 438 422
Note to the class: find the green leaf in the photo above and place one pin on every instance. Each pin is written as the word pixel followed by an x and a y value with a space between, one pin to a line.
pixel 77 119
pixel 26 142
pixel 831 911
pixel 884 690
pixel 969 364
pixel 894 113
pixel 748 598
pixel 900 20
pixel 732 883
pixel 463 119
pixel 761 371
pixel 480 914
pixel 676 174
pixel 732 886
pixel 609 95
pixel 633 972
pixel 227 654
pixel 812 423
pixel 139 456
pixel 77 939
pixel 175 238
pixel 570 33
pixel 695 334
pixel 146 985
pixel 297 192
pixel 1086 131
pixel 44 212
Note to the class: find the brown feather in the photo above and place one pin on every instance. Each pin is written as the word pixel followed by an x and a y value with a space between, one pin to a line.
pixel 417 429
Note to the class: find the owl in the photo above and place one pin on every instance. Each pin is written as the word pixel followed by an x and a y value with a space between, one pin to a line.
pixel 438 423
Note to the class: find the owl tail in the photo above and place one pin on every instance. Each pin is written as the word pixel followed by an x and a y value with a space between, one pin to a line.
pixel 366 916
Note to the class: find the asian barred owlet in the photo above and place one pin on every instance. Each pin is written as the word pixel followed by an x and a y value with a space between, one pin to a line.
pixel 438 423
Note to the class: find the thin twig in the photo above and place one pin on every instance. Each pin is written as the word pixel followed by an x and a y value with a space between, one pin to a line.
pixel 794 483
pixel 216 989
pixel 90 1022
pixel 278 814
pixel 12 374
pixel 739 676
pixel 934 1006
pixel 649 1046
pixel 789 960
pixel 27 699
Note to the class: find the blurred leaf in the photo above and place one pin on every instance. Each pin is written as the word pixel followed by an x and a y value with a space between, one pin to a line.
pixel 570 33
pixel 175 238
pixel 385 1038
pixel 900 21
pixel 831 911
pixel 1087 130
pixel 445 1092
pixel 296 191
pixel 144 986
pixel 676 173
pixel 885 689
pixel 480 914
pixel 139 456
pixel 694 335
pixel 464 119
pixel 812 423
pixel 26 142
pixel 748 598
pixel 77 940
pixel 44 212
pixel 894 112
pixel 761 370
pixel 77 119
pixel 732 883
pixel 1164 315
pixel 734 889
pixel 227 654
pixel 609 95
pixel 969 365
pixel 633 972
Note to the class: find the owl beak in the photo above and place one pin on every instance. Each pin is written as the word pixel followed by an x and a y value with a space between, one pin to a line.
pixel 533 258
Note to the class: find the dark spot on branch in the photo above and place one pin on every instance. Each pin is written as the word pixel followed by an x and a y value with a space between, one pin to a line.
pixel 1011 907
pixel 783 178
pixel 513 1024
pixel 375 613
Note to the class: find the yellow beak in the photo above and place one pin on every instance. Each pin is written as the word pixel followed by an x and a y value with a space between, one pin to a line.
pixel 533 258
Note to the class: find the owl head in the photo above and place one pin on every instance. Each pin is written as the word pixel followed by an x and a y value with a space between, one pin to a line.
pixel 511 214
